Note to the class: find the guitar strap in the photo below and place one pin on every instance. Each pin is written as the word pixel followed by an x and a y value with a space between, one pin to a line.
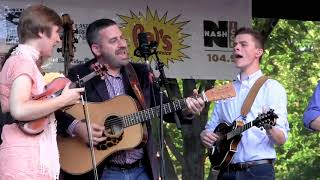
pixel 246 106
pixel 135 85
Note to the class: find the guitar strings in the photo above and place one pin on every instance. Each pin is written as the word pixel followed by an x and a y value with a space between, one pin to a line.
pixel 150 111
pixel 119 120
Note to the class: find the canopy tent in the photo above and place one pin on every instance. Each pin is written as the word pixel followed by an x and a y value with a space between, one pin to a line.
pixel 298 10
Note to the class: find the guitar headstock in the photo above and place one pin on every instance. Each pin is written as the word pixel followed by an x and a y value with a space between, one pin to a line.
pixel 268 118
pixel 222 92
pixel 99 69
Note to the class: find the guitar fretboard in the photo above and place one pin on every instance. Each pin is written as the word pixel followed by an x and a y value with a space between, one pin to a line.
pixel 147 114
pixel 261 120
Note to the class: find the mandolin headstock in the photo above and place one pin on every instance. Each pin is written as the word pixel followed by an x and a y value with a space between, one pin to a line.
pixel 267 118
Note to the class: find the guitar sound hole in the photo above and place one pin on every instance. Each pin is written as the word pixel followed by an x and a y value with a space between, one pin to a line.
pixel 113 125
pixel 113 131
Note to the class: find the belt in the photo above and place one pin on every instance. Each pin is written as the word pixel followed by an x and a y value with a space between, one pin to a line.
pixel 249 164
pixel 115 166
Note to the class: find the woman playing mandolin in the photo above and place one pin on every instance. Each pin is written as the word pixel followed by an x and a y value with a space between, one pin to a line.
pixel 24 156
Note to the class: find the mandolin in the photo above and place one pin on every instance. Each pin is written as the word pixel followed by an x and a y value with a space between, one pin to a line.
pixel 230 135
pixel 55 89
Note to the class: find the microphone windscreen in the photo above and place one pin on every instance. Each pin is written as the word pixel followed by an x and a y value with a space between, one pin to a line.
pixel 143 41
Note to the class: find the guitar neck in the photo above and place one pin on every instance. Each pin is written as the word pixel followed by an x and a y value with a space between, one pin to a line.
pixel 240 130
pixel 260 121
pixel 147 114
pixel 209 95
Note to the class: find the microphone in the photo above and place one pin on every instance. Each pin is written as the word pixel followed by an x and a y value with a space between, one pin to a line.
pixel 143 43
pixel 143 50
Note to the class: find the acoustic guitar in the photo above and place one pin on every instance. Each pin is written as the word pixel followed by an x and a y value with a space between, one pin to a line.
pixel 230 135
pixel 123 129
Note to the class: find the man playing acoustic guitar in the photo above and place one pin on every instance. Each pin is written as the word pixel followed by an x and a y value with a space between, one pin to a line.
pixel 254 154
pixel 109 47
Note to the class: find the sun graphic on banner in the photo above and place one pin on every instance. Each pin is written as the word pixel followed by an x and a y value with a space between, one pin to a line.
pixel 167 33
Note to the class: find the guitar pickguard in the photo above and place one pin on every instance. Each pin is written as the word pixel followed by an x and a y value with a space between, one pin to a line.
pixel 109 142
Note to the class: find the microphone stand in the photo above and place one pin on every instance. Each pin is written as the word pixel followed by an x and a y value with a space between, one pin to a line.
pixel 163 81
pixel 154 82
pixel 160 83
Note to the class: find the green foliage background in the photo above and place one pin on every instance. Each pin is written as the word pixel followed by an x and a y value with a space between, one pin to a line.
pixel 292 58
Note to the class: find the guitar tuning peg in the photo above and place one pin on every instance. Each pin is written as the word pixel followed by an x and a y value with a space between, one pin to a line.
pixel 259 115
pixel 59 50
pixel 75 31
pixel 75 40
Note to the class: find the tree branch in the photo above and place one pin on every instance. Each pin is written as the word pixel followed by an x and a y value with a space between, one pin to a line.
pixel 268 27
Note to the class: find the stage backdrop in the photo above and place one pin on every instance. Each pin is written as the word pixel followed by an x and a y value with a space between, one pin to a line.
pixel 194 37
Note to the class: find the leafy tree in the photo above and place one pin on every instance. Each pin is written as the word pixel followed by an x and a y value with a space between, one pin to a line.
pixel 291 57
